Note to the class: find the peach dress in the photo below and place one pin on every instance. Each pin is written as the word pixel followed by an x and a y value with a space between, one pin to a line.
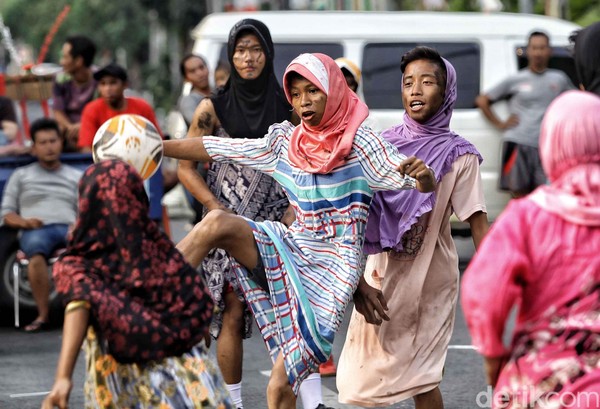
pixel 405 356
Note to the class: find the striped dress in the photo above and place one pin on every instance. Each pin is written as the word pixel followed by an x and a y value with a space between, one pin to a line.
pixel 312 267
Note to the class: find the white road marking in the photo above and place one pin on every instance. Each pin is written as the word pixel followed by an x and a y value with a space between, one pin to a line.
pixel 26 395
pixel 468 347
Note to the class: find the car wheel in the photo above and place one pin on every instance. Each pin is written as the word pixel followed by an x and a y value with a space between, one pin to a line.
pixel 7 289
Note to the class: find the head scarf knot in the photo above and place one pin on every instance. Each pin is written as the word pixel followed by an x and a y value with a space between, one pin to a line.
pixel 322 148
pixel 393 213
pixel 246 108
pixel 146 301
pixel 570 154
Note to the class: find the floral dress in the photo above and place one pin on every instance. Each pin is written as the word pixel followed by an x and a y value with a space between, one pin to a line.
pixel 191 380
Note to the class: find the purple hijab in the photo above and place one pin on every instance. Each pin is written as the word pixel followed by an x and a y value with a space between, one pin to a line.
pixel 394 212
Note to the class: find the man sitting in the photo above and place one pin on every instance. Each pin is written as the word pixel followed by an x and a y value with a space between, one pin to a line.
pixel 40 200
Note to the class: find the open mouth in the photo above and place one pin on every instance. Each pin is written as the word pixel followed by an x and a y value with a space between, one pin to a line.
pixel 416 105
pixel 308 115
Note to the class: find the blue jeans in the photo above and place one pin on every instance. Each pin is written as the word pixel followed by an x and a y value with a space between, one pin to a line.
pixel 44 240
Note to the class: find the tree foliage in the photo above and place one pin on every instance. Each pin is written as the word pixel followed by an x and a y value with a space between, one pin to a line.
pixel 110 24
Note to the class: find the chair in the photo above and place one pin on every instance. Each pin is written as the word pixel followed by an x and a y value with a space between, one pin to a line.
pixel 19 265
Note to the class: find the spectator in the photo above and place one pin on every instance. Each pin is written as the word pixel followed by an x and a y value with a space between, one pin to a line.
pixel 351 72
pixel 41 200
pixel 145 310
pixel 112 82
pixel 193 69
pixel 587 57
pixel 75 88
pixel 529 92
pixel 412 267
pixel 8 122
pixel 541 255
pixel 222 73
pixel 9 129
pixel 353 75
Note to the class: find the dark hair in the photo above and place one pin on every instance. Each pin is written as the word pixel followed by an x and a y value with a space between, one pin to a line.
pixel 425 53
pixel 538 33
pixel 292 76
pixel 43 124
pixel 223 65
pixel 83 47
pixel 185 59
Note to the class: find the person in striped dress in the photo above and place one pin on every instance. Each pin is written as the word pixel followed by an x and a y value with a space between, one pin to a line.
pixel 298 280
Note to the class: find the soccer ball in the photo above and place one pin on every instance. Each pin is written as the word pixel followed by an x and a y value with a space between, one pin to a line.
pixel 130 138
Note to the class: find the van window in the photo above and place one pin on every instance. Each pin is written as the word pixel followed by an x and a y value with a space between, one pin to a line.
pixel 286 52
pixel 561 59
pixel 382 77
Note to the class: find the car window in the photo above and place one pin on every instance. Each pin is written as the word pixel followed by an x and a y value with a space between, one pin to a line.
pixel 286 52
pixel 382 77
pixel 561 59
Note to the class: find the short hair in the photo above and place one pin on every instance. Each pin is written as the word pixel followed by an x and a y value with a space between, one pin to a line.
pixel 538 33
pixel 223 66
pixel 43 124
pixel 82 46
pixel 425 53
pixel 185 59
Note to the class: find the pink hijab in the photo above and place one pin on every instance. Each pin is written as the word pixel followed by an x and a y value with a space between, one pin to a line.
pixel 323 148
pixel 570 153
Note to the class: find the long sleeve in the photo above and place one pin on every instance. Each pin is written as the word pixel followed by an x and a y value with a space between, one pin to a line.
pixel 490 285
pixel 261 154
pixel 380 160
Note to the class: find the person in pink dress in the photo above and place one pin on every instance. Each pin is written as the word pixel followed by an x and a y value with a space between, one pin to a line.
pixel 542 254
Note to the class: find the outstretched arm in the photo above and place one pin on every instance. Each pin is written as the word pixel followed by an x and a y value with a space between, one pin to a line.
pixel 75 326
pixel 188 149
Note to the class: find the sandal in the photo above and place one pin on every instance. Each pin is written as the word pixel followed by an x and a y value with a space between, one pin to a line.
pixel 37 326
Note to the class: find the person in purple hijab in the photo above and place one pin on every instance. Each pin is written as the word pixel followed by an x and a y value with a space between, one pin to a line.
pixel 405 302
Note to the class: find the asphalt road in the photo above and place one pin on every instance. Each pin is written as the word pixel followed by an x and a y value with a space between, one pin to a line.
pixel 27 365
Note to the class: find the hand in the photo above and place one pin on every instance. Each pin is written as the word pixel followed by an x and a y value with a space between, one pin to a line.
pixel 72 133
pixel 32 223
pixel 59 395
pixel 511 122
pixel 492 368
pixel 370 302
pixel 418 170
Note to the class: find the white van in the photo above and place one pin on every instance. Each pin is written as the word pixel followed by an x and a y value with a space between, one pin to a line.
pixel 484 49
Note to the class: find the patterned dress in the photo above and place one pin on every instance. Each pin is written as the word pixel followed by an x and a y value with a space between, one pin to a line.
pixel 550 268
pixel 313 267
pixel 248 193
pixel 191 380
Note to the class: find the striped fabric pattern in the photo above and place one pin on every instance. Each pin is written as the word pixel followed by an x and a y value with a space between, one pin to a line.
pixel 313 267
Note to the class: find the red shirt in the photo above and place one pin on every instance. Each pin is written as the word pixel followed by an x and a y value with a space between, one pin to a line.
pixel 98 111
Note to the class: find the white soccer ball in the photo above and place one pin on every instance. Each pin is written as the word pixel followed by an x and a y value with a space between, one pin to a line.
pixel 130 138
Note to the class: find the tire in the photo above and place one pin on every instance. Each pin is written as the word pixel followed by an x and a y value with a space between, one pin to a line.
pixel 7 293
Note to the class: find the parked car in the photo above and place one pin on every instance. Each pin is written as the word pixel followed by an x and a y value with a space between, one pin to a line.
pixel 484 49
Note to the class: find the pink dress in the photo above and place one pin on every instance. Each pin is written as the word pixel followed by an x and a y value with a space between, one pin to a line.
pixel 551 268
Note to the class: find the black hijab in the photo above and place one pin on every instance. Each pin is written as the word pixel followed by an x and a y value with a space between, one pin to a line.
pixel 587 57
pixel 246 108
